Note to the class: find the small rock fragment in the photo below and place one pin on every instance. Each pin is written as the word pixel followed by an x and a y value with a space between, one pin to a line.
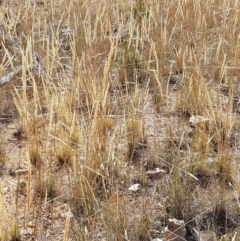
pixel 176 78
pixel 23 231
pixel 66 214
pixel 6 190
pixel 135 187
pixel 27 231
pixel 156 173
pixel 30 224
pixel 175 230
pixel 210 161
pixel 197 120
pixel 30 231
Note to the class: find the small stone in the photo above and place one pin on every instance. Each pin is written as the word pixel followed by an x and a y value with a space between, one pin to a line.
pixel 86 230
pixel 175 79
pixel 156 173
pixel 66 214
pixel 175 230
pixel 26 231
pixel 23 231
pixel 135 187
pixel 30 224
pixel 197 120
pixel 210 161
pixel 102 167
pixel 6 190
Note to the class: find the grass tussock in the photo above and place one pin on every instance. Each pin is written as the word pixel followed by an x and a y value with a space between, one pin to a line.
pixel 107 94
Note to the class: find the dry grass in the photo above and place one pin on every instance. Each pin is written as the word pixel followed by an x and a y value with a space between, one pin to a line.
pixel 103 92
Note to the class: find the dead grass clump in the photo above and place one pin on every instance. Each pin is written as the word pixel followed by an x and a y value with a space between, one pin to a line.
pixel 102 129
pixel 133 68
pixel 2 154
pixel 64 155
pixel 139 227
pixel 224 169
pixel 35 156
pixel 201 140
pixel 224 222
pixel 115 215
pixel 136 139
pixel 46 188
pixel 124 221
pixel 83 201
pixel 181 196
pixel 194 95
pixel 201 170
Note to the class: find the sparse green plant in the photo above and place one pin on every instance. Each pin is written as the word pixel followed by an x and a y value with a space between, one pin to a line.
pixel 132 69
pixel 140 11
pixel 227 238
